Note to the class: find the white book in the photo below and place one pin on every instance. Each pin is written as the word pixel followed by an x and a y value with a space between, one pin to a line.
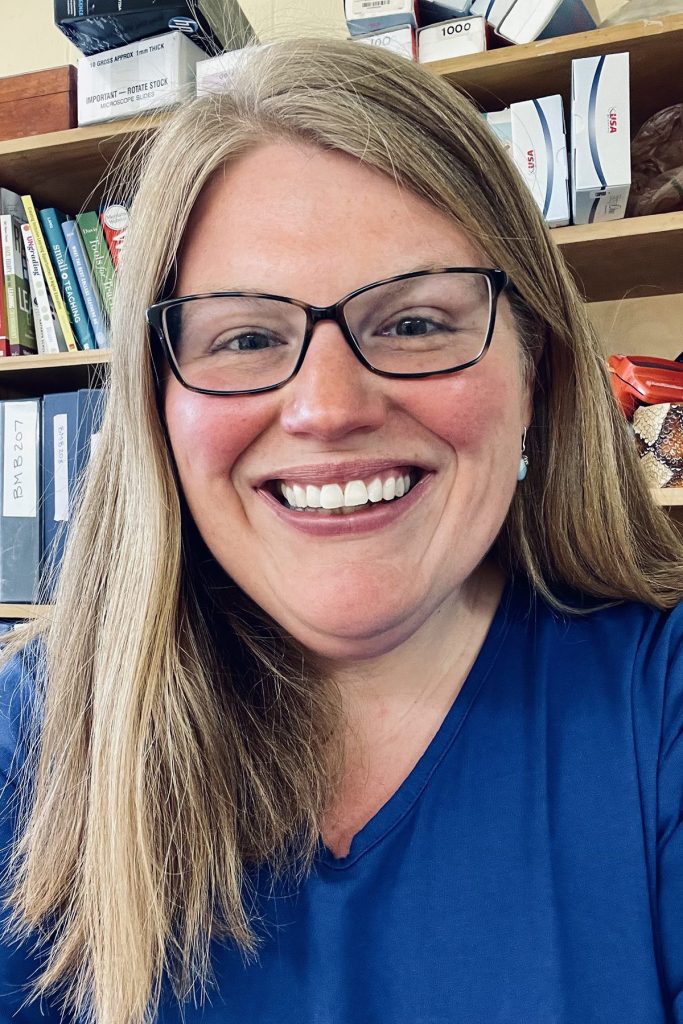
pixel 41 303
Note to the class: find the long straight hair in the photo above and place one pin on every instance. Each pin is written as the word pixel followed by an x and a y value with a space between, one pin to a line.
pixel 178 736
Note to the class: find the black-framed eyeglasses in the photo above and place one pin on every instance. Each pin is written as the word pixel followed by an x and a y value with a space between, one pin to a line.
pixel 421 324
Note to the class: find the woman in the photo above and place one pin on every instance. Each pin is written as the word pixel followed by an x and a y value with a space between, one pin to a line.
pixel 340 716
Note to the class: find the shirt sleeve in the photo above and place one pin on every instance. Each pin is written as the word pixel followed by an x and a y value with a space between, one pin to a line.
pixel 670 834
pixel 16 964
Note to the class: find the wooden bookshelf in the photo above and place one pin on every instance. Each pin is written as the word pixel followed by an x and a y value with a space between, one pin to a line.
pixel 668 497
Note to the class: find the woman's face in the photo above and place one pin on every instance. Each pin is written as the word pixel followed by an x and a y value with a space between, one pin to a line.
pixel 296 221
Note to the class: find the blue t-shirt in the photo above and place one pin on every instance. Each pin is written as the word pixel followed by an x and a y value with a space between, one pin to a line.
pixel 528 871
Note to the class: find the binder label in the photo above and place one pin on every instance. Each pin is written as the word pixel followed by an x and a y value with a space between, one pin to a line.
pixel 20 489
pixel 61 464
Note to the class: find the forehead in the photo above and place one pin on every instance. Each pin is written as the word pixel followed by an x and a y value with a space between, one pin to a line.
pixel 312 224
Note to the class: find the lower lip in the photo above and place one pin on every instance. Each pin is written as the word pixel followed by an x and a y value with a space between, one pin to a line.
pixel 320 525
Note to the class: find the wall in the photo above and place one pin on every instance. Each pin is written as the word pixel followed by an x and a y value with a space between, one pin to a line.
pixel 29 40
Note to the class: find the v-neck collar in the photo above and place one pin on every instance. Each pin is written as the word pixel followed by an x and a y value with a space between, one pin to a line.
pixel 404 799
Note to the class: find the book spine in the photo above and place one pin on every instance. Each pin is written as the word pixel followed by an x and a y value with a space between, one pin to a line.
pixel 51 221
pixel 21 331
pixel 4 335
pixel 85 282
pixel 114 220
pixel 98 254
pixel 37 322
pixel 42 314
pixel 50 279
pixel 20 486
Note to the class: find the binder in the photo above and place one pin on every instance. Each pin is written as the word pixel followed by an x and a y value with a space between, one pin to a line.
pixel 69 422
pixel 20 533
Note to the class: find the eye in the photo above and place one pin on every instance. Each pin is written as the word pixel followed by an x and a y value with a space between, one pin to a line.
pixel 412 325
pixel 247 341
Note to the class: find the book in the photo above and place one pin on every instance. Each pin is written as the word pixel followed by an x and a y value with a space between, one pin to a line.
pixel 97 251
pixel 4 336
pixel 114 219
pixel 20 327
pixel 85 280
pixel 49 274
pixel 20 535
pixel 51 221
pixel 46 335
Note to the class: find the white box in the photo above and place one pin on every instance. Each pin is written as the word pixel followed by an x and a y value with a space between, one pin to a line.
pixel 214 74
pixel 399 40
pixel 451 39
pixel 493 10
pixel 365 16
pixel 539 149
pixel 443 10
pixel 600 138
pixel 139 77
pixel 537 19
pixel 500 122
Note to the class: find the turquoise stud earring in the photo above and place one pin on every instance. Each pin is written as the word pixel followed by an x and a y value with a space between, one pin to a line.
pixel 524 460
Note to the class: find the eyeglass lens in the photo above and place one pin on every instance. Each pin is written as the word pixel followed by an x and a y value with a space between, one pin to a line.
pixel 423 324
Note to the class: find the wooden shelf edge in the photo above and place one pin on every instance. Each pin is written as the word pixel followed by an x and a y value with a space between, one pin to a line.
pixel 579 43
pixel 90 133
pixel 628 227
pixel 13 364
pixel 22 611
pixel 667 497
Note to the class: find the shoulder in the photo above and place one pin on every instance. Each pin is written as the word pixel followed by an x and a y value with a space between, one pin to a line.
pixel 621 661
pixel 17 702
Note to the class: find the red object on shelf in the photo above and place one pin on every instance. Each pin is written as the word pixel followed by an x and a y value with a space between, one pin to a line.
pixel 645 380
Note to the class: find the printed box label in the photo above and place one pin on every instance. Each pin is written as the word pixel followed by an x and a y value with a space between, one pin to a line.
pixel 19 496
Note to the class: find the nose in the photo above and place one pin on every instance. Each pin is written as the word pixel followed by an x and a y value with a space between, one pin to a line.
pixel 333 394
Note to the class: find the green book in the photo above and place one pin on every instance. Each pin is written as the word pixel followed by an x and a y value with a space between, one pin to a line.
pixel 98 253
pixel 21 329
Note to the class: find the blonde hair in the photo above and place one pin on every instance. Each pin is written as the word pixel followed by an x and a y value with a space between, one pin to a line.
pixel 179 736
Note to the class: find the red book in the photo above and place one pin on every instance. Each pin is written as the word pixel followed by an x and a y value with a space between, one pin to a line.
pixel 114 221
pixel 4 337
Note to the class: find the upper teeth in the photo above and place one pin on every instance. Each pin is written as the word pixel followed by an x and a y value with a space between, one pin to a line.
pixel 352 494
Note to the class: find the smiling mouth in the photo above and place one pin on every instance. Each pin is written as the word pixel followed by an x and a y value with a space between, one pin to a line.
pixel 349 496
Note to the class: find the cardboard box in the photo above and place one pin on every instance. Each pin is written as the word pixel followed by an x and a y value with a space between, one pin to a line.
pixel 366 16
pixel 493 10
pixel 600 138
pixel 399 40
pixel 38 102
pixel 539 149
pixel 137 78
pixel 213 75
pixel 451 39
pixel 431 11
pixel 541 19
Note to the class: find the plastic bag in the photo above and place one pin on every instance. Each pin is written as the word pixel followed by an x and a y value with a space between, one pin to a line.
pixel 657 164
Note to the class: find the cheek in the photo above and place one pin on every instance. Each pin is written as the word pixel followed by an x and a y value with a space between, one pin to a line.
pixel 479 415
pixel 208 434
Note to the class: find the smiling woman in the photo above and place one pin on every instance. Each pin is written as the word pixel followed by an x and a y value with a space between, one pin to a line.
pixel 368 723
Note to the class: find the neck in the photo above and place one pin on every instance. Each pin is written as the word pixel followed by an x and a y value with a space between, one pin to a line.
pixel 395 703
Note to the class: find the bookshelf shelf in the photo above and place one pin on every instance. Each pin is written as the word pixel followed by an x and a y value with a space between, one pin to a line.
pixel 626 258
pixel 24 376
pixel 22 611
pixel 668 497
